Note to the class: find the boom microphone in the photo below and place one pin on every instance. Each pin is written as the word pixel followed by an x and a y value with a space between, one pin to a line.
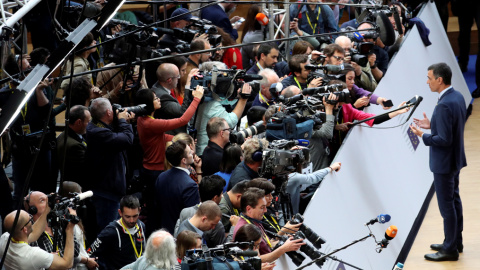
pixel 262 18
pixel 398 23
pixel 83 196
pixel 382 218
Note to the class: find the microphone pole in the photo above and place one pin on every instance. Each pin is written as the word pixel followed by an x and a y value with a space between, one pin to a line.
pixel 335 251
pixel 383 114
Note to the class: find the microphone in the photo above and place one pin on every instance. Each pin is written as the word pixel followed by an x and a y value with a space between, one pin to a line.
pixel 382 218
pixel 83 196
pixel 302 142
pixel 415 100
pixel 262 18
pixel 390 233
pixel 398 23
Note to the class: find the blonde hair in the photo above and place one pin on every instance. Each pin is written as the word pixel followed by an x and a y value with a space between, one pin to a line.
pixel 179 137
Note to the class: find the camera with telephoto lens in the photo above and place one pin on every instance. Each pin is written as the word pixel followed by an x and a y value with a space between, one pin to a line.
pixel 138 110
pixel 239 137
pixel 297 257
pixel 310 235
pixel 318 71
pixel 222 257
pixel 223 83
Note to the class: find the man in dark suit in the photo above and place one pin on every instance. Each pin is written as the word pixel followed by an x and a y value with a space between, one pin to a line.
pixel 74 155
pixel 174 189
pixel 217 14
pixel 447 157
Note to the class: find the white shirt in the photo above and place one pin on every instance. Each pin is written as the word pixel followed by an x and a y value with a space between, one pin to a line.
pixel 22 256
pixel 443 92
pixel 183 169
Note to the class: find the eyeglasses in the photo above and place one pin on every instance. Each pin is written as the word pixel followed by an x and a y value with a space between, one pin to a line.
pixel 30 220
pixel 339 58
pixel 176 77
pixel 229 129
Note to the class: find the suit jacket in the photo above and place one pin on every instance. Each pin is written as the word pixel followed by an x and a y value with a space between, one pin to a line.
pixel 74 157
pixel 170 108
pixel 174 191
pixel 447 152
pixel 218 17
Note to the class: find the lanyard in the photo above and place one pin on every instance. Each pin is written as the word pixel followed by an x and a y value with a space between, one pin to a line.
pixel 24 112
pixel 18 242
pixel 308 18
pixel 259 67
pixel 235 211
pixel 276 227
pixel 299 86
pixel 265 237
pixel 51 241
pixel 131 239
pixel 151 117
pixel 264 100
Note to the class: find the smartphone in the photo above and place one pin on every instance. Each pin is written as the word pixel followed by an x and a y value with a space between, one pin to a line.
pixel 388 103
pixel 241 20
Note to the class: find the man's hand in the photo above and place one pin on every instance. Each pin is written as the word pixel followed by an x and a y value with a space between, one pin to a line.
pixel 198 93
pixel 316 82
pixel 234 219
pixel 422 123
pixel 371 59
pixel 125 115
pixel 292 245
pixel 416 130
pixel 329 107
pixel 192 73
pixel 343 127
pixel 343 2
pixel 203 36
pixel 91 263
pixel 96 92
pixel 380 101
pixel 197 162
pixel 268 266
pixel 246 89
pixel 315 55
pixel 357 67
pixel 44 84
pixel 234 19
pixel 361 102
pixel 336 166
pixel 291 228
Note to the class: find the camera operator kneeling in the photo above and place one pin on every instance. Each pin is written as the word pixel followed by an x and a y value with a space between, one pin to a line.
pixel 253 206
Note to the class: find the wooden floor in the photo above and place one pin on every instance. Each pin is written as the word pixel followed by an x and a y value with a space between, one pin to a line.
pixel 431 230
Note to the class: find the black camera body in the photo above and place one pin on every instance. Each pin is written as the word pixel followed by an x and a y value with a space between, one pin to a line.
pixel 138 110
pixel 221 258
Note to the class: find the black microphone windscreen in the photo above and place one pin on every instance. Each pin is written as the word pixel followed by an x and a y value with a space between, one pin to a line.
pixel 398 23
pixel 387 34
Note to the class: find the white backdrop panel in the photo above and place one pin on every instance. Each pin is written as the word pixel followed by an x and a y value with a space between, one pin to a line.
pixel 381 171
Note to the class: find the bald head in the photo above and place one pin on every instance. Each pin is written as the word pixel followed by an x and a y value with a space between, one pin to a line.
pixel 166 71
pixel 290 91
pixel 269 77
pixel 38 200
pixel 344 42
pixel 19 228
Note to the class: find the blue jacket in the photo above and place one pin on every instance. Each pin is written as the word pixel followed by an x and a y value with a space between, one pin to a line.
pixel 218 17
pixel 174 191
pixel 326 19
pixel 447 153
pixel 107 158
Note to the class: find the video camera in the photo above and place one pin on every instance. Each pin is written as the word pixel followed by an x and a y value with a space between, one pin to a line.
pixel 279 160
pixel 318 71
pixel 224 83
pixel 59 215
pixel 343 95
pixel 222 257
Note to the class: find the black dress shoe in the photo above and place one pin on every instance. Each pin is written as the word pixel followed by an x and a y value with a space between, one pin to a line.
pixel 441 256
pixel 439 247
pixel 476 93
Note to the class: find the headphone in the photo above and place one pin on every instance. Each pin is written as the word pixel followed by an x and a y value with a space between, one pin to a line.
pixel 258 154
pixel 32 210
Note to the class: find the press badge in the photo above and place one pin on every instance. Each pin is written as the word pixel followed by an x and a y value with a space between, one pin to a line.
pixel 26 129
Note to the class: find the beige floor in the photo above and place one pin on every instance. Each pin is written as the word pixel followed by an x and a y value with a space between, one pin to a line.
pixel 431 230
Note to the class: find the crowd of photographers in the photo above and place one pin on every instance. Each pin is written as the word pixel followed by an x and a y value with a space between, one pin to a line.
pixel 165 149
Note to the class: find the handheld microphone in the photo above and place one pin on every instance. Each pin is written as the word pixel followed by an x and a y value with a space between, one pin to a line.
pixel 302 142
pixel 390 233
pixel 382 218
pixel 415 100
pixel 262 19
pixel 398 23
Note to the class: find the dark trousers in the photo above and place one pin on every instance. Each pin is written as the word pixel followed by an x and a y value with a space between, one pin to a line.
pixel 106 211
pixel 468 12
pixel 450 204
pixel 149 177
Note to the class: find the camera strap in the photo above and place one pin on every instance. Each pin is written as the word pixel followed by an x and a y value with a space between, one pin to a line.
pixel 131 239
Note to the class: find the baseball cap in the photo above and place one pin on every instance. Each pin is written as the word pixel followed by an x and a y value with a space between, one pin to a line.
pixel 179 11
